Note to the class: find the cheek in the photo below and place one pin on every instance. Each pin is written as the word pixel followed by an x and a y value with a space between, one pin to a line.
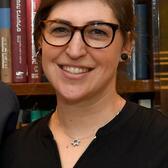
pixel 48 56
pixel 45 59
pixel 110 55
pixel 114 53
pixel 50 53
pixel 48 64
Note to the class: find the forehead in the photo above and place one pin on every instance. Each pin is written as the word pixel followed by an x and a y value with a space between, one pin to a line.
pixel 83 11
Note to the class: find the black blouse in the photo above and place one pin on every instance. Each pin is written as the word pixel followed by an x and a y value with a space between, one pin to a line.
pixel 136 138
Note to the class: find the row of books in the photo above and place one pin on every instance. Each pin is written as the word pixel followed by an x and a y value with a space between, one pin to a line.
pixel 19 62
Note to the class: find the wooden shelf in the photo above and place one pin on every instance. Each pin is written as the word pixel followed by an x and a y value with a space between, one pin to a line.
pixel 26 89
pixel 137 86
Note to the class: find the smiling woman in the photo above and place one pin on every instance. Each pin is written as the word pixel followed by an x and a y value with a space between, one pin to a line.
pixel 78 50
pixel 81 44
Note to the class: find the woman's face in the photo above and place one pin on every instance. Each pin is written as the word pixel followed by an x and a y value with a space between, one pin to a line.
pixel 77 71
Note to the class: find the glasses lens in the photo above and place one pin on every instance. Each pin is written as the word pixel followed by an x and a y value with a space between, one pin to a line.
pixel 98 35
pixel 57 33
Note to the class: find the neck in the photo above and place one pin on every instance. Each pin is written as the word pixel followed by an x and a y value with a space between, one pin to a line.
pixel 84 119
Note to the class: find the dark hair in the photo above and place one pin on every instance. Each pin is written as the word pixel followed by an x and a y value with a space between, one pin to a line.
pixel 123 10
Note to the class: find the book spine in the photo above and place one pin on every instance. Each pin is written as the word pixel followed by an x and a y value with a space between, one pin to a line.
pixel 141 43
pixel 163 55
pixel 5 41
pixel 34 67
pixel 155 39
pixel 38 113
pixel 18 35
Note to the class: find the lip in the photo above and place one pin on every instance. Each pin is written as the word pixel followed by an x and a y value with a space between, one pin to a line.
pixel 74 72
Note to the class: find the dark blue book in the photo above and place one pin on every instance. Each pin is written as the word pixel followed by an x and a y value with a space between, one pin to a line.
pixel 141 42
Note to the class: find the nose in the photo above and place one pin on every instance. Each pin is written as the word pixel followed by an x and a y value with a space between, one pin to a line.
pixel 76 47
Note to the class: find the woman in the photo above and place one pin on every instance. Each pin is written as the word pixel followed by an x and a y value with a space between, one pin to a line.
pixel 81 44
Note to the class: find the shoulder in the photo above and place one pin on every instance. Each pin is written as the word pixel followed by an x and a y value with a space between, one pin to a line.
pixel 152 133
pixel 9 108
pixel 22 145
pixel 153 116
pixel 9 98
pixel 149 114
pixel 152 121
pixel 26 136
pixel 7 92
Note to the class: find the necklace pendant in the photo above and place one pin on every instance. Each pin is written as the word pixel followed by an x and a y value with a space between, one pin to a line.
pixel 75 142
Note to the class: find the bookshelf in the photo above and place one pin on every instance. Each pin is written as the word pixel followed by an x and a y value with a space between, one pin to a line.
pixel 137 86
pixel 156 87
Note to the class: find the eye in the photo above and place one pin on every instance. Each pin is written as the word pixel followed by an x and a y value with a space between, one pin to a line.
pixel 60 31
pixel 97 32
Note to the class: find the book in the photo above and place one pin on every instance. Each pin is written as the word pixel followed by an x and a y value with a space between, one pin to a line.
pixel 163 55
pixel 145 103
pixel 19 43
pixel 5 41
pixel 34 66
pixel 38 113
pixel 155 48
pixel 141 42
pixel 35 115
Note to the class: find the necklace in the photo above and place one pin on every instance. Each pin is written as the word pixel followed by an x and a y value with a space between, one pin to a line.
pixel 75 142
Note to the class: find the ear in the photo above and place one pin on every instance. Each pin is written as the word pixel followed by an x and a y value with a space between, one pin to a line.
pixel 128 45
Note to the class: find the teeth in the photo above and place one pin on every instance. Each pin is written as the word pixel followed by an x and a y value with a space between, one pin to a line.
pixel 75 70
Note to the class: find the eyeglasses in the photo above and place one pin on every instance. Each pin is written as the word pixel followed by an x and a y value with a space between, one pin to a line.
pixel 95 34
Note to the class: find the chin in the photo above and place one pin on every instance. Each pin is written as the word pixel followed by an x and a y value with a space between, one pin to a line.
pixel 72 96
pixel 72 99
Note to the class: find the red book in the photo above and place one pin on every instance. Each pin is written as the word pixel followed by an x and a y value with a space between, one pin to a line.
pixel 18 35
pixel 34 67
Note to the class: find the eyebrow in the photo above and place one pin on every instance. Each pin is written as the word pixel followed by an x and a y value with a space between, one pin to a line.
pixel 61 21
pixel 70 23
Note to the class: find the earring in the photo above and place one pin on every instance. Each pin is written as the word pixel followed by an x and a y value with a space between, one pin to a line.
pixel 124 56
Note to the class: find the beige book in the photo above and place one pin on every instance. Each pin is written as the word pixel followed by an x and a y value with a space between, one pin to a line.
pixel 5 54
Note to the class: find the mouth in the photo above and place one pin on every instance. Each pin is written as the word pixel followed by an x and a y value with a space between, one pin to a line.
pixel 74 69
